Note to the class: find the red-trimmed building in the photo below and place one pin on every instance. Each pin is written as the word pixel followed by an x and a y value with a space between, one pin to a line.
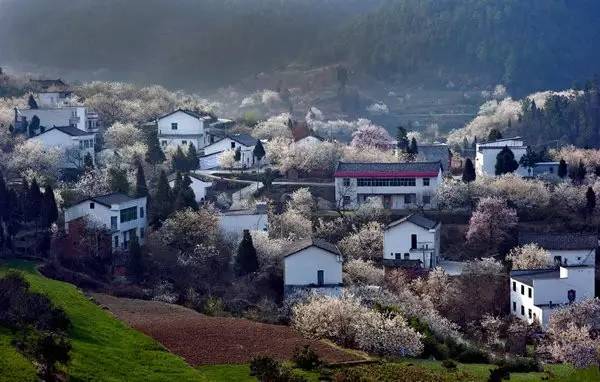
pixel 399 186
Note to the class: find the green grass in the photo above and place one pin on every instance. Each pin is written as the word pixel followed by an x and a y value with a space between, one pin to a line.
pixel 104 349
pixel 241 373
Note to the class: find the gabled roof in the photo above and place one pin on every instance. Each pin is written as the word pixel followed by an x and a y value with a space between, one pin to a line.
pixel 69 130
pixel 306 243
pixel 241 138
pixel 417 219
pixel 112 198
pixel 188 112
pixel 435 153
pixel 393 169
pixel 560 241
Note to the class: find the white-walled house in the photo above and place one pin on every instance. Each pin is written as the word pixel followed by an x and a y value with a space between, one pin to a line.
pixel 413 241
pixel 199 186
pixel 234 223
pixel 565 248
pixel 122 215
pixel 181 128
pixel 312 263
pixel 75 144
pixel 402 185
pixel 60 115
pixel 486 155
pixel 535 294
pixel 244 142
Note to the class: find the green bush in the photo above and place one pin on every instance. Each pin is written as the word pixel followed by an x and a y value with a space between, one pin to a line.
pixel 472 355
pixel 449 364
pixel 213 306
pixel 306 358
pixel 266 369
pixel 520 365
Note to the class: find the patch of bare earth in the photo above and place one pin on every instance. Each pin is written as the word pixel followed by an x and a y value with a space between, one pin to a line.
pixel 203 340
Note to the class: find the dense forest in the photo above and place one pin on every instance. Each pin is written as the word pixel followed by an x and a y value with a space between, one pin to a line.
pixel 526 44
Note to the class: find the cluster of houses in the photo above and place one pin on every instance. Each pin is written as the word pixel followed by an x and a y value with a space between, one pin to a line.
pixel 410 242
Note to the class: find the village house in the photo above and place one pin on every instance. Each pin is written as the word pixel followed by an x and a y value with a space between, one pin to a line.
pixel 199 186
pixel 408 185
pixel 486 155
pixel 243 142
pixel 184 127
pixel 535 294
pixel 543 169
pixel 565 248
pixel 235 222
pixel 75 144
pixel 437 152
pixel 413 241
pixel 123 215
pixel 314 264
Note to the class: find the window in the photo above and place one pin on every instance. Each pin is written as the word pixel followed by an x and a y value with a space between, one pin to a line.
pixel 80 144
pixel 398 256
pixel 113 222
pixel 523 290
pixel 346 200
pixel 116 241
pixel 514 306
pixel 522 310
pixel 174 126
pixel 141 212
pixel 425 181
pixel 514 286
pixel 529 313
pixel 163 143
pixel 233 145
pixel 346 182
pixel 406 256
pixel 551 170
pixel 529 292
pixel 128 214
pixel 426 199
pixel 392 182
pixel 413 241
pixel 409 198
pixel 92 205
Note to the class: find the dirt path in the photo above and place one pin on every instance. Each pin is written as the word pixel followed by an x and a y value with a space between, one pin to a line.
pixel 203 340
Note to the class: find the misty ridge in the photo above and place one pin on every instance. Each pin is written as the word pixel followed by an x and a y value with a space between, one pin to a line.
pixel 189 44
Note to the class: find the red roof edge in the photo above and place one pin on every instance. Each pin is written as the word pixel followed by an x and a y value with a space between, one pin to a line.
pixel 386 174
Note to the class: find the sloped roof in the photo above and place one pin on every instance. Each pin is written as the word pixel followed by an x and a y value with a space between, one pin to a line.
pixel 560 241
pixel 69 130
pixel 527 277
pixel 417 219
pixel 244 139
pixel 435 153
pixel 188 112
pixel 303 244
pixel 112 198
pixel 388 169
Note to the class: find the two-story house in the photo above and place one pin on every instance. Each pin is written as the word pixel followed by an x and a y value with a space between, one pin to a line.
pixel 399 186
pixel 124 216
pixel 183 127
pixel 486 155
pixel 75 144
pixel 413 241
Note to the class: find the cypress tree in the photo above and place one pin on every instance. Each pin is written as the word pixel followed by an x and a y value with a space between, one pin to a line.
pixel 15 216
pixel 259 150
pixel 117 180
pixel 505 161
pixel 88 162
pixel 401 139
pixel 413 149
pixel 179 160
pixel 141 189
pixel 192 158
pixel 237 155
pixel 494 135
pixel 31 102
pixel 162 200
pixel 469 171
pixel 580 173
pixel 49 209
pixel 154 155
pixel 246 261
pixel 562 168
pixel 34 125
pixel 590 197
pixel 185 195
pixel 3 208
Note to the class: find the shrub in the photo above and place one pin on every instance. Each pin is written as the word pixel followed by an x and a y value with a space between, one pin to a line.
pixel 213 306
pixel 520 365
pixel 449 364
pixel 472 355
pixel 499 374
pixel 306 358
pixel 264 368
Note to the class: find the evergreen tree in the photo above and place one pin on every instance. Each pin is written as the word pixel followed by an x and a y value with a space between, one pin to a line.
pixel 88 162
pixel 49 208
pixel 179 160
pixel 505 161
pixel 141 189
pixel 177 184
pixel 590 197
pixel 135 265
pixel 413 149
pixel 31 102
pixel 33 126
pixel 162 201
pixel 469 171
pixel 154 155
pixel 494 135
pixel 237 155
pixel 259 150
pixel 14 216
pixel 117 180
pixel 562 168
pixel 402 139
pixel 246 260
pixel 192 158
pixel 529 159
pixel 34 201
pixel 185 195
pixel 580 173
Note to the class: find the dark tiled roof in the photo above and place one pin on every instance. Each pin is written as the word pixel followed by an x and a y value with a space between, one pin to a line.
pixel 303 244
pixel 244 139
pixel 110 199
pixel 564 241
pixel 69 130
pixel 417 219
pixel 435 153
pixel 527 277
pixel 391 167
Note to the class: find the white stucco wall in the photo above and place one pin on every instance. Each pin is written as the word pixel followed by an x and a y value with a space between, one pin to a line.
pixel 58 139
pixel 398 240
pixel 65 116
pixel 189 129
pixel 233 226
pixel 575 256
pixel 199 187
pixel 485 160
pixel 301 268
pixel 246 157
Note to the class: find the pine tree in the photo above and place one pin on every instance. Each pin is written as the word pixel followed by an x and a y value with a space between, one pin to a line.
pixel 529 159
pixel 135 265
pixel 494 135
pixel 179 160
pixel 469 171
pixel 590 197
pixel 31 102
pixel 34 126
pixel 154 155
pixel 4 208
pixel 401 139
pixel 141 189
pixel 505 161
pixel 185 195
pixel 14 216
pixel 259 150
pixel 246 260
pixel 162 205
pixel 117 180
pixel 88 162
pixel 192 158
pixel 413 149
pixel 562 168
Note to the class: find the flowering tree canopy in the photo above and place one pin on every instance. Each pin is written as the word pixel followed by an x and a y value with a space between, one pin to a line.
pixel 529 256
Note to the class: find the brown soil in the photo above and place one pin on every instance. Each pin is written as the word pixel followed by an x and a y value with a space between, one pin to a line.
pixel 203 340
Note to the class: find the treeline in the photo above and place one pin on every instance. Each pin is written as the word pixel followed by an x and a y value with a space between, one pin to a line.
pixel 563 119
